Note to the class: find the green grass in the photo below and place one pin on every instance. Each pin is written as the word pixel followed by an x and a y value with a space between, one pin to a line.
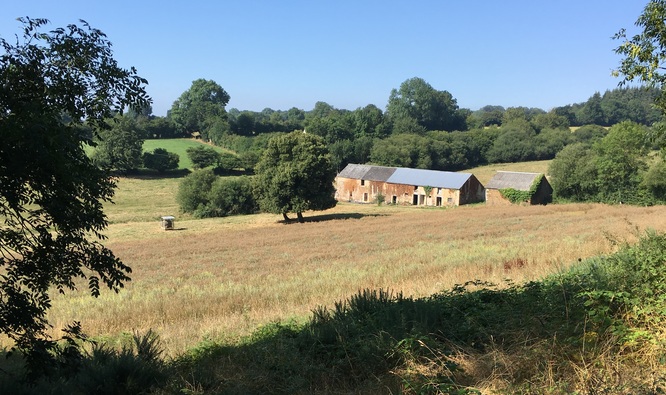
pixel 178 146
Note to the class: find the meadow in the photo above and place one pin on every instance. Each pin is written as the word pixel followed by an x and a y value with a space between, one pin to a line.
pixel 222 278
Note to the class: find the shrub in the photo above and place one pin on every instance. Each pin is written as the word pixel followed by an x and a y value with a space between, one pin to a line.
pixel 202 156
pixel 160 160
pixel 232 196
pixel 194 189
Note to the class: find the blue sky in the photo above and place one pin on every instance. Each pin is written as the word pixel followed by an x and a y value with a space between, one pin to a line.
pixel 283 54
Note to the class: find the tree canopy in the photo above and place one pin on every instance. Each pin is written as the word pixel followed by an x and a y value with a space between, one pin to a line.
pixel 294 175
pixel 202 109
pixel 51 194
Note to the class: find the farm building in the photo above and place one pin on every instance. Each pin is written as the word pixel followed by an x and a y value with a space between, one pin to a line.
pixel 398 185
pixel 505 186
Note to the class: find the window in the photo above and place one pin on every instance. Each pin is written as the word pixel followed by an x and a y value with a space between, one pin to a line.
pixel 449 200
pixel 365 197
pixel 362 182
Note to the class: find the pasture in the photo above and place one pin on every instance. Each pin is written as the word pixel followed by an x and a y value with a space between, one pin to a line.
pixel 221 278
pixel 177 146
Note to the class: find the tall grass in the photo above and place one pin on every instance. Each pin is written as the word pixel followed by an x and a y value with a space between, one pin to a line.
pixel 222 278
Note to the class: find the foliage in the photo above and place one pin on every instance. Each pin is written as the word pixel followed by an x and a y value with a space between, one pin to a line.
pixel 51 194
pixel 202 156
pixel 193 192
pixel 516 196
pixel 574 174
pixel 160 160
pixel 644 53
pixel 417 104
pixel 295 175
pixel 611 170
pixel 204 195
pixel 232 196
pixel 119 146
pixel 201 109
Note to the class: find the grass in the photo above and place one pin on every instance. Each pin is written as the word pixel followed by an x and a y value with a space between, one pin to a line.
pixel 178 146
pixel 216 281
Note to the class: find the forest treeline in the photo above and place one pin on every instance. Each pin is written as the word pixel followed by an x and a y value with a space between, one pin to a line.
pixel 421 127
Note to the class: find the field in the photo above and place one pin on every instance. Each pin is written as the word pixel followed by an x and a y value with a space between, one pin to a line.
pixel 178 146
pixel 221 278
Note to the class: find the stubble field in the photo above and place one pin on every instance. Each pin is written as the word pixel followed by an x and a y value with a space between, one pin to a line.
pixel 220 279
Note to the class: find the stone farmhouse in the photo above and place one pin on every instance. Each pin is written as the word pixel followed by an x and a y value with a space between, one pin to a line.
pixel 536 183
pixel 399 185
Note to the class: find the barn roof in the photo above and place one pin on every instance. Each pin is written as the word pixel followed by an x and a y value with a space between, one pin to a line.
pixel 366 172
pixel 405 176
pixel 512 179
pixel 433 178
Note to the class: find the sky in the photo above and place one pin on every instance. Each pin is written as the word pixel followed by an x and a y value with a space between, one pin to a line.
pixel 349 54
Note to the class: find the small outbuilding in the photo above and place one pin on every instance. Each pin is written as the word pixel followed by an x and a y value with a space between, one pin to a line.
pixel 168 222
pixel 399 185
pixel 512 187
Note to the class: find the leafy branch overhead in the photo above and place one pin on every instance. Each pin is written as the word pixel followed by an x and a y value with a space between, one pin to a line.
pixel 51 194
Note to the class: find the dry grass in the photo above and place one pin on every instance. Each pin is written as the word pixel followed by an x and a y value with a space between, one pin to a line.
pixel 221 278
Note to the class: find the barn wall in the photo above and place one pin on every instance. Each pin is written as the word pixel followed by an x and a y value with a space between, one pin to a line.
pixel 543 194
pixel 472 191
pixel 351 190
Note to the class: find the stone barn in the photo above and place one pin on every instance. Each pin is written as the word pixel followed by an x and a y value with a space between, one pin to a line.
pixel 529 188
pixel 398 185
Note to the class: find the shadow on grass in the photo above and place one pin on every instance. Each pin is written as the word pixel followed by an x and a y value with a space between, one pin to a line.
pixel 329 217
pixel 146 174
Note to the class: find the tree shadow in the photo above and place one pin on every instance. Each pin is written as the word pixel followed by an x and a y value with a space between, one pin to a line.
pixel 329 217
pixel 147 174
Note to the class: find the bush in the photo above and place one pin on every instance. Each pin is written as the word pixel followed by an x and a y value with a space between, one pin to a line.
pixel 194 189
pixel 205 195
pixel 232 196
pixel 202 156
pixel 160 160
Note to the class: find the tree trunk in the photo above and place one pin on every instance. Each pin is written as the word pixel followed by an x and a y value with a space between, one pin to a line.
pixel 284 215
pixel 300 217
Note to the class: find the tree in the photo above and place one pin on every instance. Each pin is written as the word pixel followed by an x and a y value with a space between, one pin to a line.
pixel 620 160
pixel 119 146
pixel 201 108
pixel 51 194
pixel 418 103
pixel 294 175
pixel 193 192
pixel 574 173
pixel 160 160
pixel 202 156
pixel 645 53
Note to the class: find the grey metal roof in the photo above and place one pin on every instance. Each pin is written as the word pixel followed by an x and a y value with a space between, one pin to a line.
pixel 433 178
pixel 379 173
pixel 512 179
pixel 354 171
pixel 405 176
pixel 366 172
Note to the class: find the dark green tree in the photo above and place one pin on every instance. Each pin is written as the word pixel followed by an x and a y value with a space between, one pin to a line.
pixel 418 103
pixel 644 54
pixel 193 193
pixel 620 159
pixel 119 146
pixel 51 194
pixel 202 109
pixel 202 156
pixel 160 160
pixel 294 175
pixel 574 173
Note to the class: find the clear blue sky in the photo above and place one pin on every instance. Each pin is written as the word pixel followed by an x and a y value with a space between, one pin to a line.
pixel 283 54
